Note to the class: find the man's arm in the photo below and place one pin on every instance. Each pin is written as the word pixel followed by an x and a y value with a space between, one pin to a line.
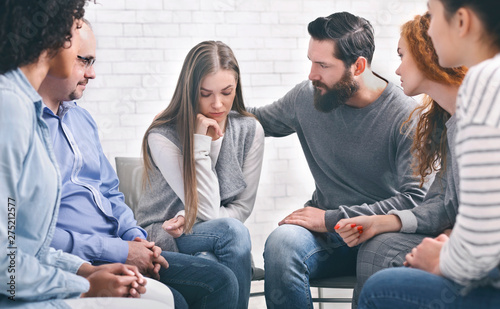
pixel 52 274
pixel 279 118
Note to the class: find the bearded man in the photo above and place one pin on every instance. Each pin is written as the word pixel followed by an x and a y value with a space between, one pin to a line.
pixel 349 123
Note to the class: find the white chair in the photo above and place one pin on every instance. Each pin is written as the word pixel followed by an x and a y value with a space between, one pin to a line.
pixel 129 171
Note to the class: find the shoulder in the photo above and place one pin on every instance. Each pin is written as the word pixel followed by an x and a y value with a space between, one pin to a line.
pixel 397 103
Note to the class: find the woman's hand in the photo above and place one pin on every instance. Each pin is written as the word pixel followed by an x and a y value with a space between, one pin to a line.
pixel 115 280
pixel 208 126
pixel 357 230
pixel 426 255
pixel 174 226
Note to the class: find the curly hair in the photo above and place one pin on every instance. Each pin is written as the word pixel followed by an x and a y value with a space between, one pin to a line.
pixel 29 27
pixel 429 143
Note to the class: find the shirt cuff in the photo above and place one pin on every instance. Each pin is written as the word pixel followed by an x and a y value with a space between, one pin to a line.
pixel 331 218
pixel 408 219
pixel 202 144
pixel 114 250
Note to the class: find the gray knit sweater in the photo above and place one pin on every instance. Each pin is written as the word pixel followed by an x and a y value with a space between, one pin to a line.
pixel 360 160
pixel 159 202
pixel 439 209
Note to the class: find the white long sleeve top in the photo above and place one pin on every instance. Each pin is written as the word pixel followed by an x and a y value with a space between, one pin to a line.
pixel 168 157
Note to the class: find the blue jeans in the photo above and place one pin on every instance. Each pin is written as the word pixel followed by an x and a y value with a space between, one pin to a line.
pixel 228 239
pixel 413 288
pixel 293 255
pixel 201 282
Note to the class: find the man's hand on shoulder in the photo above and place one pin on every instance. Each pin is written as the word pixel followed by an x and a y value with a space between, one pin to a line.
pixel 311 218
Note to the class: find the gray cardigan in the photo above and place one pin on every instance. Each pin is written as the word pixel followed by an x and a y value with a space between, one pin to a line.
pixel 159 202
pixel 439 209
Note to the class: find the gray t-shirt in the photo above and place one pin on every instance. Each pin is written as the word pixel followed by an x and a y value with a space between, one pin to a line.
pixel 360 160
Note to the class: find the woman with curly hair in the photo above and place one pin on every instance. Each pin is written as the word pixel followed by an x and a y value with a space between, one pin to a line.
pixel 38 39
pixel 433 149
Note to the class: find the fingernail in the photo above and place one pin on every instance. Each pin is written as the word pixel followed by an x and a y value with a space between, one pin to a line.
pixel 360 228
pixel 337 226
pixel 361 231
pixel 353 224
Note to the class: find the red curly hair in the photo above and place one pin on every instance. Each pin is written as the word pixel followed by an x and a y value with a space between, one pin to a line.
pixel 429 143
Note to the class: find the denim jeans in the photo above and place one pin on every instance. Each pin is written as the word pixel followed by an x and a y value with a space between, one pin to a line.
pixel 293 255
pixel 228 239
pixel 413 288
pixel 201 282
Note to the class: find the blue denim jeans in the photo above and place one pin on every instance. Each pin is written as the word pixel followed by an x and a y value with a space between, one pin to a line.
pixel 413 288
pixel 228 239
pixel 293 255
pixel 201 282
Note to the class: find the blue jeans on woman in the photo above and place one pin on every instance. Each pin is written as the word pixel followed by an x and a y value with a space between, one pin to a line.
pixel 228 239
pixel 202 283
pixel 413 288
pixel 293 255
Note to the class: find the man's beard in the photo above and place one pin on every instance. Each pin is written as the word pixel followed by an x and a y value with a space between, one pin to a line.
pixel 336 96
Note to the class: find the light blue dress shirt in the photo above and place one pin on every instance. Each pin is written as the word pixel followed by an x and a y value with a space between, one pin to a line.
pixel 94 222
pixel 29 181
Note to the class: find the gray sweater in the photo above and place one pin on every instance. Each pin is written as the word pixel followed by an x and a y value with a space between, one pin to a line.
pixel 360 160
pixel 159 202
pixel 439 209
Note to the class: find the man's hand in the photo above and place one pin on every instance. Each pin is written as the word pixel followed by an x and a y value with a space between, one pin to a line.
pixel 425 256
pixel 146 256
pixel 174 226
pixel 311 218
pixel 113 280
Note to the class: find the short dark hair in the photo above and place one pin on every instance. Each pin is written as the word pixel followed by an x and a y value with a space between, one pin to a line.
pixel 30 27
pixel 487 11
pixel 353 36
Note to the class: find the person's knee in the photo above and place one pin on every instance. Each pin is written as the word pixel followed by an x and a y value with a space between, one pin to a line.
pixel 236 232
pixel 282 243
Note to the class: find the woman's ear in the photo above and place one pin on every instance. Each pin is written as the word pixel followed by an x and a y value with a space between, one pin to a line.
pixel 463 21
pixel 360 66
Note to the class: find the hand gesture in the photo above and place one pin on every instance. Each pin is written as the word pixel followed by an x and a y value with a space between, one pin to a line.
pixel 174 226
pixel 425 256
pixel 357 230
pixel 115 280
pixel 311 218
pixel 146 256
pixel 208 126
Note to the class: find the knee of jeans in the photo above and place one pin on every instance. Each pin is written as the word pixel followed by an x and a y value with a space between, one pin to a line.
pixel 280 244
pixel 238 233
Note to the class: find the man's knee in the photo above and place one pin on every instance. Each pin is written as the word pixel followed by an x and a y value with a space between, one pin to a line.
pixel 283 242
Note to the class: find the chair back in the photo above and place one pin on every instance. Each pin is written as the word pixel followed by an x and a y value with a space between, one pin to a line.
pixel 129 171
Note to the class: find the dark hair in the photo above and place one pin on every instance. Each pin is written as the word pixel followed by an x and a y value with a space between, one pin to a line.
pixel 205 58
pixel 487 11
pixel 430 139
pixel 353 36
pixel 29 27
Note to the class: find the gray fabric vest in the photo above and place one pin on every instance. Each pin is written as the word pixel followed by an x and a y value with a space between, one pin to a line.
pixel 159 202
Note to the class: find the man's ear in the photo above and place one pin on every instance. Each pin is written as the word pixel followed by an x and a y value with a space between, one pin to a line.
pixel 359 66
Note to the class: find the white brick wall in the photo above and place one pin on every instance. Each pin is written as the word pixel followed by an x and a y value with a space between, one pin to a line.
pixel 141 46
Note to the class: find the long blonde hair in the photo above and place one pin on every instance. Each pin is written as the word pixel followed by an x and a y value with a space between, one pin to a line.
pixel 205 58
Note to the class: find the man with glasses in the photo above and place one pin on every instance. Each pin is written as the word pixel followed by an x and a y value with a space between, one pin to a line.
pixel 94 222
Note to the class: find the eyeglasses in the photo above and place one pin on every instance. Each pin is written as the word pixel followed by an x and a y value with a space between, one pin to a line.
pixel 87 62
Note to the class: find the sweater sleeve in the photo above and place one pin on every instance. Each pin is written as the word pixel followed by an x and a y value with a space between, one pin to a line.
pixel 279 118
pixel 431 217
pixel 242 206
